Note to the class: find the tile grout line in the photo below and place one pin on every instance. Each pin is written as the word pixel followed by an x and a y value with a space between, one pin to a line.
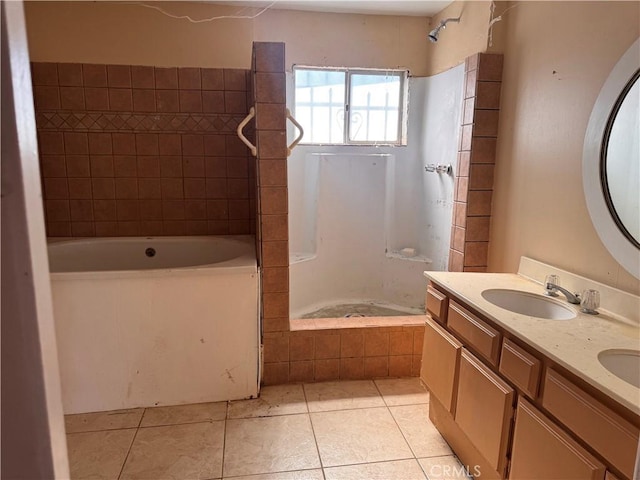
pixel 224 437
pixel 313 431
pixel 378 461
pixel 397 424
pixel 362 408
pixel 101 430
pixel 131 445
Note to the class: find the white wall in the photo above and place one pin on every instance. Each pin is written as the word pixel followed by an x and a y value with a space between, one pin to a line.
pixel 156 338
pixel 351 209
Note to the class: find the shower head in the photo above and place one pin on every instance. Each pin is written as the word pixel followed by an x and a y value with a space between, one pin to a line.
pixel 433 34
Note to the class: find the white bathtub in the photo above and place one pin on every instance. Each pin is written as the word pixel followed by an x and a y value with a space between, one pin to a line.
pixel 139 327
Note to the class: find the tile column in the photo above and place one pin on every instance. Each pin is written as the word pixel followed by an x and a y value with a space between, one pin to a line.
pixel 476 161
pixel 269 88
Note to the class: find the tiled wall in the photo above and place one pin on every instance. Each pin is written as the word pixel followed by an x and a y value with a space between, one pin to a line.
pixel 476 160
pixel 138 150
pixel 273 234
pixel 346 353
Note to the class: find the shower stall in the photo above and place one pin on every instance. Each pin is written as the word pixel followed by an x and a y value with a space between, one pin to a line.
pixel 366 221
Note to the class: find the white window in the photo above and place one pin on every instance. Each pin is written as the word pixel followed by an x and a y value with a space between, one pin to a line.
pixel 351 106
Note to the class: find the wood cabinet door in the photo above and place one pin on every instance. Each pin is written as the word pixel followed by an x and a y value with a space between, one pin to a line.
pixel 440 359
pixel 484 410
pixel 542 451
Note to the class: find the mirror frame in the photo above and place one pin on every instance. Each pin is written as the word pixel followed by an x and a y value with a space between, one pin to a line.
pixel 616 242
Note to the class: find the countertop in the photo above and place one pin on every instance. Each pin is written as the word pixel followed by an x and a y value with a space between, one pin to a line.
pixel 573 343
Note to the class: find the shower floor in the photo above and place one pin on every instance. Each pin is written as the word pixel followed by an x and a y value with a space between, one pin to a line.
pixel 355 310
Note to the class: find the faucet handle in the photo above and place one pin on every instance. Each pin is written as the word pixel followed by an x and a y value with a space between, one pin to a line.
pixel 590 302
pixel 551 280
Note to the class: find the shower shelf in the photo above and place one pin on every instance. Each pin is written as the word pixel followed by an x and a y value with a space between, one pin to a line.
pixel 301 257
pixel 417 258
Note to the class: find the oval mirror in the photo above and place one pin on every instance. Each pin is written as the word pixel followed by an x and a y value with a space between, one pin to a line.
pixel 611 162
pixel 620 161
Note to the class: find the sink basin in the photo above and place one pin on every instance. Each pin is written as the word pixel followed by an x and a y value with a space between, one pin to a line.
pixel 528 304
pixel 624 364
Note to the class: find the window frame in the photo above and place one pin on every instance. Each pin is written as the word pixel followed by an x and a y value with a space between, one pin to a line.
pixel 403 110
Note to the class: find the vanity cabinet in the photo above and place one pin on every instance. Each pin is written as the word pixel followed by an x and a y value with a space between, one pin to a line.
pixel 506 407
pixel 608 433
pixel 437 304
pixel 441 374
pixel 541 450
pixel 520 367
pixel 484 409
pixel 478 334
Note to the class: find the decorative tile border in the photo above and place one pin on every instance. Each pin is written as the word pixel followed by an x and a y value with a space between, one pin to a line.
pixel 82 121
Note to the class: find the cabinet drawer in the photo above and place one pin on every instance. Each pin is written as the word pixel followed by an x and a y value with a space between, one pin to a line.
pixel 440 360
pixel 519 366
pixel 484 409
pixel 437 304
pixel 600 427
pixel 482 338
pixel 542 450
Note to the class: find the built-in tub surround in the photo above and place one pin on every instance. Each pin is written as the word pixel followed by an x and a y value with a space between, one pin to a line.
pixel 573 344
pixel 141 150
pixel 325 349
pixel 160 330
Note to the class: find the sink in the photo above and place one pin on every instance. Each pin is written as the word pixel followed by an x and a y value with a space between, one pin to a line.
pixel 624 364
pixel 529 304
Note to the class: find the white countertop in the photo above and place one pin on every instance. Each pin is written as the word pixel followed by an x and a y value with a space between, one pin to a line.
pixel 573 343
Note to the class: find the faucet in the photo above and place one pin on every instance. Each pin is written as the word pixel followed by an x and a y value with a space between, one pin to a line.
pixel 551 288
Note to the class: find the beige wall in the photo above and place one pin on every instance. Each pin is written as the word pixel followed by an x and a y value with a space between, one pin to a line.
pixel 101 32
pixel 329 39
pixel 557 57
pixel 459 40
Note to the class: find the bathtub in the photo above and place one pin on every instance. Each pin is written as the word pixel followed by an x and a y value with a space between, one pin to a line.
pixel 155 321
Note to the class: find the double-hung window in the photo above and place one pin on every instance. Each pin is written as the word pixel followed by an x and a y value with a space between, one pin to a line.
pixel 344 106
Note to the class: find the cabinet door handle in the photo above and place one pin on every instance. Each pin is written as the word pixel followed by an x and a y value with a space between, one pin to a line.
pixel 299 137
pixel 243 123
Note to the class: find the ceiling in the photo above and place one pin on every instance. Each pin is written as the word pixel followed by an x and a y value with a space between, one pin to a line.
pixel 425 8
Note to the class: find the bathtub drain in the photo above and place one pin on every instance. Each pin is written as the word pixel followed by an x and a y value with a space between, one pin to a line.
pixel 150 252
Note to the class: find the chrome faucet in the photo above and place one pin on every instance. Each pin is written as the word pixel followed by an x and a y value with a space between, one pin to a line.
pixel 551 288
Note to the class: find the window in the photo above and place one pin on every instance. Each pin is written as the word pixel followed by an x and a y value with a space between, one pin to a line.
pixel 351 106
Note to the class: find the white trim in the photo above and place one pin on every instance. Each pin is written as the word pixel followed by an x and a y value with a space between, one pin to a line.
pixel 614 240
pixel 403 111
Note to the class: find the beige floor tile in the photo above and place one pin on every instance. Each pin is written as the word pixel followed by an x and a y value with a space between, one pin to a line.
pixel 297 475
pixel 423 438
pixel 358 436
pixel 192 451
pixel 98 455
pixel 269 444
pixel 274 400
pixel 443 468
pixel 173 415
pixel 113 420
pixel 396 470
pixel 326 396
pixel 402 391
